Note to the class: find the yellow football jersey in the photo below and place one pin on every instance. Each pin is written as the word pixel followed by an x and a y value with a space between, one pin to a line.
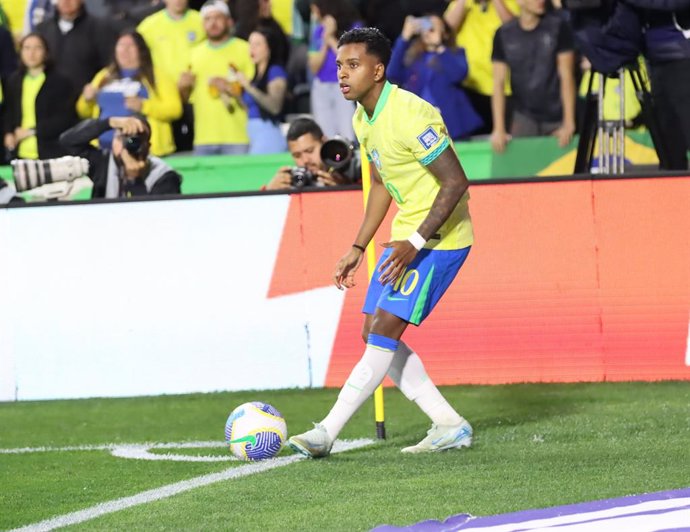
pixel 401 139
pixel 476 36
pixel 171 40
pixel 31 86
pixel 214 123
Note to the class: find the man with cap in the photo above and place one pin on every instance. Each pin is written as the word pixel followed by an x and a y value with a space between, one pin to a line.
pixel 220 119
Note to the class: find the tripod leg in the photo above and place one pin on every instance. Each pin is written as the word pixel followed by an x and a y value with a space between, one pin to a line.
pixel 588 131
pixel 649 114
pixel 621 123
pixel 602 130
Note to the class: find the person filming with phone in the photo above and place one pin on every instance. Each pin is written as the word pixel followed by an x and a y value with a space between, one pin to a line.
pixel 127 169
pixel 426 62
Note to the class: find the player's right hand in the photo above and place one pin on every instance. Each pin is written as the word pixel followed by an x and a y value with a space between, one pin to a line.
pixel 345 269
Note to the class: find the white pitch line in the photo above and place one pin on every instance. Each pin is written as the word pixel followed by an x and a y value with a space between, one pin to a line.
pixel 140 451
pixel 164 492
pixel 111 446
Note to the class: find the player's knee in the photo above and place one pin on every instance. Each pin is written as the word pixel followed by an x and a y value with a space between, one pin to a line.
pixel 387 324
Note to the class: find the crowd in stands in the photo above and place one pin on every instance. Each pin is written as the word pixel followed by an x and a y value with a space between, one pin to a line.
pixel 226 76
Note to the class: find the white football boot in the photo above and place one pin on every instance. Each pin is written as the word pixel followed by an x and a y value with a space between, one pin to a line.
pixel 442 437
pixel 315 443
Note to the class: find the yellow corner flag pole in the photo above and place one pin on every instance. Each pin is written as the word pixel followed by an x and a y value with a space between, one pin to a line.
pixel 379 415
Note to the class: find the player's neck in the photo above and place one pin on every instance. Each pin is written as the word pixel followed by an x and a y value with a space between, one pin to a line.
pixel 371 98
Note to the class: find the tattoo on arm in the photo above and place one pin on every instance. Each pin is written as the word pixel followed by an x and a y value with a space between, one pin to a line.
pixel 447 169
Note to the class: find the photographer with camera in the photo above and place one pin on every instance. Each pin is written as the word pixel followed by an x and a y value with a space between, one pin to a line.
pixel 127 169
pixel 319 162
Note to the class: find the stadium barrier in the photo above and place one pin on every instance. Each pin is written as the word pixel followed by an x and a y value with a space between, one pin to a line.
pixel 539 156
pixel 572 280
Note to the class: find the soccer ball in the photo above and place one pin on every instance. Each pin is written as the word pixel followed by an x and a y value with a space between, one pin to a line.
pixel 255 431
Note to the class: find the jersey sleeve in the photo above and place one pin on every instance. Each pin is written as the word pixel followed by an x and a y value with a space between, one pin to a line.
pixel 425 134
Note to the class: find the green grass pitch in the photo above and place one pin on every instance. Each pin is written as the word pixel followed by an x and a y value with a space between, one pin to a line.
pixel 536 445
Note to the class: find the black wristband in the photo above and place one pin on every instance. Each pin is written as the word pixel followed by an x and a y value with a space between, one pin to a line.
pixel 361 248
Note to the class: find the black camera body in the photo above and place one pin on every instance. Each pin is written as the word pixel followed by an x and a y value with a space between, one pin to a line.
pixel 302 177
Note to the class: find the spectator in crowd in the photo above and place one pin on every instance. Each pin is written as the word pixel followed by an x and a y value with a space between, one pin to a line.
pixel 171 35
pixel 37 107
pixel 129 85
pixel 476 22
pixel 8 54
pixel 253 13
pixel 426 61
pixel 537 50
pixel 126 169
pixel 331 19
pixel 128 14
pixel 212 85
pixel 80 44
pixel 305 140
pixel 264 96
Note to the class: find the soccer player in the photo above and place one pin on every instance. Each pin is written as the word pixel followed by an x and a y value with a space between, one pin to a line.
pixel 413 163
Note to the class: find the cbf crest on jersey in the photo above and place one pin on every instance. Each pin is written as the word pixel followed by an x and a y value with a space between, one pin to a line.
pixel 376 158
pixel 428 138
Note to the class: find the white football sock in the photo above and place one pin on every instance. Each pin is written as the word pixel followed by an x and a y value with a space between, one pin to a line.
pixel 408 374
pixel 364 379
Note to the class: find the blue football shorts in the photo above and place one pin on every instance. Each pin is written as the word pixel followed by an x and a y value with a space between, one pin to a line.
pixel 417 291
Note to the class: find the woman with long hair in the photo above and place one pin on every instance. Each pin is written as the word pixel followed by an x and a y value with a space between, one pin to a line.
pixel 132 85
pixel 426 61
pixel 264 96
pixel 38 107
pixel 330 19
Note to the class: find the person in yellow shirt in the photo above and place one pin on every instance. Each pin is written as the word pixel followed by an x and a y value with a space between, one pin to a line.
pixel 171 34
pixel 132 85
pixel 38 107
pixel 476 22
pixel 413 163
pixel 212 86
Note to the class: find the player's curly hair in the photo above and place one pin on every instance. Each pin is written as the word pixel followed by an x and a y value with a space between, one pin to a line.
pixel 377 44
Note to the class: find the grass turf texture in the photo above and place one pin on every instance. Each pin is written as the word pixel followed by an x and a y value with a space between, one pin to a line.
pixel 536 445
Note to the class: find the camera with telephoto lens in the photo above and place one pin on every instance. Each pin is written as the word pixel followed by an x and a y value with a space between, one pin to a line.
pixel 30 173
pixel 338 154
pixel 302 177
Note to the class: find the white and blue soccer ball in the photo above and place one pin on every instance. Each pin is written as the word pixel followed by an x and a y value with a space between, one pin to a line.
pixel 255 431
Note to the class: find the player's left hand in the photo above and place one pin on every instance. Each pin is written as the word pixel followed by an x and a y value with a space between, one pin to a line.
pixel 344 276
pixel 394 266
